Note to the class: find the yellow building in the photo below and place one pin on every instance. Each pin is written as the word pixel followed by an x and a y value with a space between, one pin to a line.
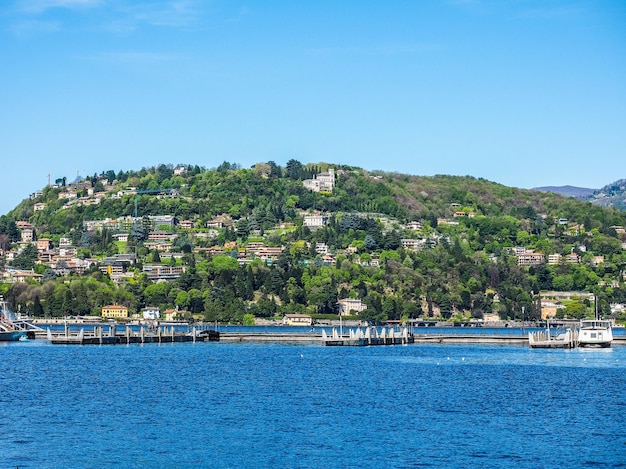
pixel 297 320
pixel 549 309
pixel 114 311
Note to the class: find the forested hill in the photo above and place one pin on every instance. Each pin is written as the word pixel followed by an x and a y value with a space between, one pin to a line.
pixel 268 193
pixel 270 240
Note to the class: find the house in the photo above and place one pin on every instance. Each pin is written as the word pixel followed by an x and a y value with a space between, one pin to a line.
pixel 315 221
pixel 44 244
pixel 414 225
pixel 321 248
pixel 65 242
pixel 597 260
pixel 530 258
pixel 186 224
pixel 269 253
pixel 321 182
pixel 328 259
pixel 349 306
pixel 114 311
pixel 26 231
pixel 39 207
pixel 412 244
pixel 157 272
pixel 617 308
pixel 172 315
pixel 159 221
pixel 159 235
pixel 297 320
pixel 16 276
pixel 221 221
pixel 445 221
pixel 549 308
pixel 554 259
pixel 150 312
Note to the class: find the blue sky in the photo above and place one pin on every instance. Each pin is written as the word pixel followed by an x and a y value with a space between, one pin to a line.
pixel 521 92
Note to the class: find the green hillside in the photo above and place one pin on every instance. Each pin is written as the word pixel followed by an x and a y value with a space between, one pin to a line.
pixel 227 242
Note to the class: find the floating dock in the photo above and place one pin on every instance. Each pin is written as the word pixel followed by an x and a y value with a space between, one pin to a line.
pixel 543 339
pixel 369 336
pixel 143 336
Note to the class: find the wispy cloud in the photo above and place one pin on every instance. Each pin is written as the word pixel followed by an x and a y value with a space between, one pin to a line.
pixel 177 13
pixel 40 6
pixel 116 16
pixel 30 28
pixel 387 49
pixel 543 9
pixel 241 14
pixel 134 57
pixel 557 12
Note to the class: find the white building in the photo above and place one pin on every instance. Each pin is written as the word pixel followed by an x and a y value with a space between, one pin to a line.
pixel 348 306
pixel 150 312
pixel 315 221
pixel 321 182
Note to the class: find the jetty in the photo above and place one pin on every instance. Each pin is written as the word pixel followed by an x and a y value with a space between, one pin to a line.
pixel 110 336
pixel 368 336
pixel 543 339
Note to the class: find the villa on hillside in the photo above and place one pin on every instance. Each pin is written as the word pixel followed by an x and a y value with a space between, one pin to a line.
pixel 322 182
pixel 349 306
pixel 315 221
pixel 114 311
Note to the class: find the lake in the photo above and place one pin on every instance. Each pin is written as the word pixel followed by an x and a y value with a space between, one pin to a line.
pixel 280 405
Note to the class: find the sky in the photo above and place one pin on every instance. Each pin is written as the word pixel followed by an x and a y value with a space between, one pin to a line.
pixel 526 93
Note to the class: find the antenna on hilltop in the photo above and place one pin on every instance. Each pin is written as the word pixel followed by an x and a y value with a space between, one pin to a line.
pixel 78 175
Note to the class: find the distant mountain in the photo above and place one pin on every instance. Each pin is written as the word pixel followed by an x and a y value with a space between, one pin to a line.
pixel 611 195
pixel 581 193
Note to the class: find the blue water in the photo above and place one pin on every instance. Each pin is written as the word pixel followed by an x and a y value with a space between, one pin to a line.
pixel 276 405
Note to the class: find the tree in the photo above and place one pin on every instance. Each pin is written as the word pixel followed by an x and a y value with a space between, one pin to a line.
pixel 27 258
pixel 369 242
pixel 294 170
pixel 138 232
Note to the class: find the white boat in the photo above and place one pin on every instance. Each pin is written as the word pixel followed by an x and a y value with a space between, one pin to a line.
pixel 12 327
pixel 595 333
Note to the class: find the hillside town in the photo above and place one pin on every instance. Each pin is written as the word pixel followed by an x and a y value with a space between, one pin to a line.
pixel 159 258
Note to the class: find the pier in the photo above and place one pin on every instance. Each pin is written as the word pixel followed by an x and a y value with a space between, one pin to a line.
pixel 109 334
pixel 369 336
pixel 143 336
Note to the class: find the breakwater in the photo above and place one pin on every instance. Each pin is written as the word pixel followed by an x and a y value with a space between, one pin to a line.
pixel 102 334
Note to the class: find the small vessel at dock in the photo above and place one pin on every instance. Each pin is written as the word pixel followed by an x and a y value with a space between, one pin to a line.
pixel 13 327
pixel 595 333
